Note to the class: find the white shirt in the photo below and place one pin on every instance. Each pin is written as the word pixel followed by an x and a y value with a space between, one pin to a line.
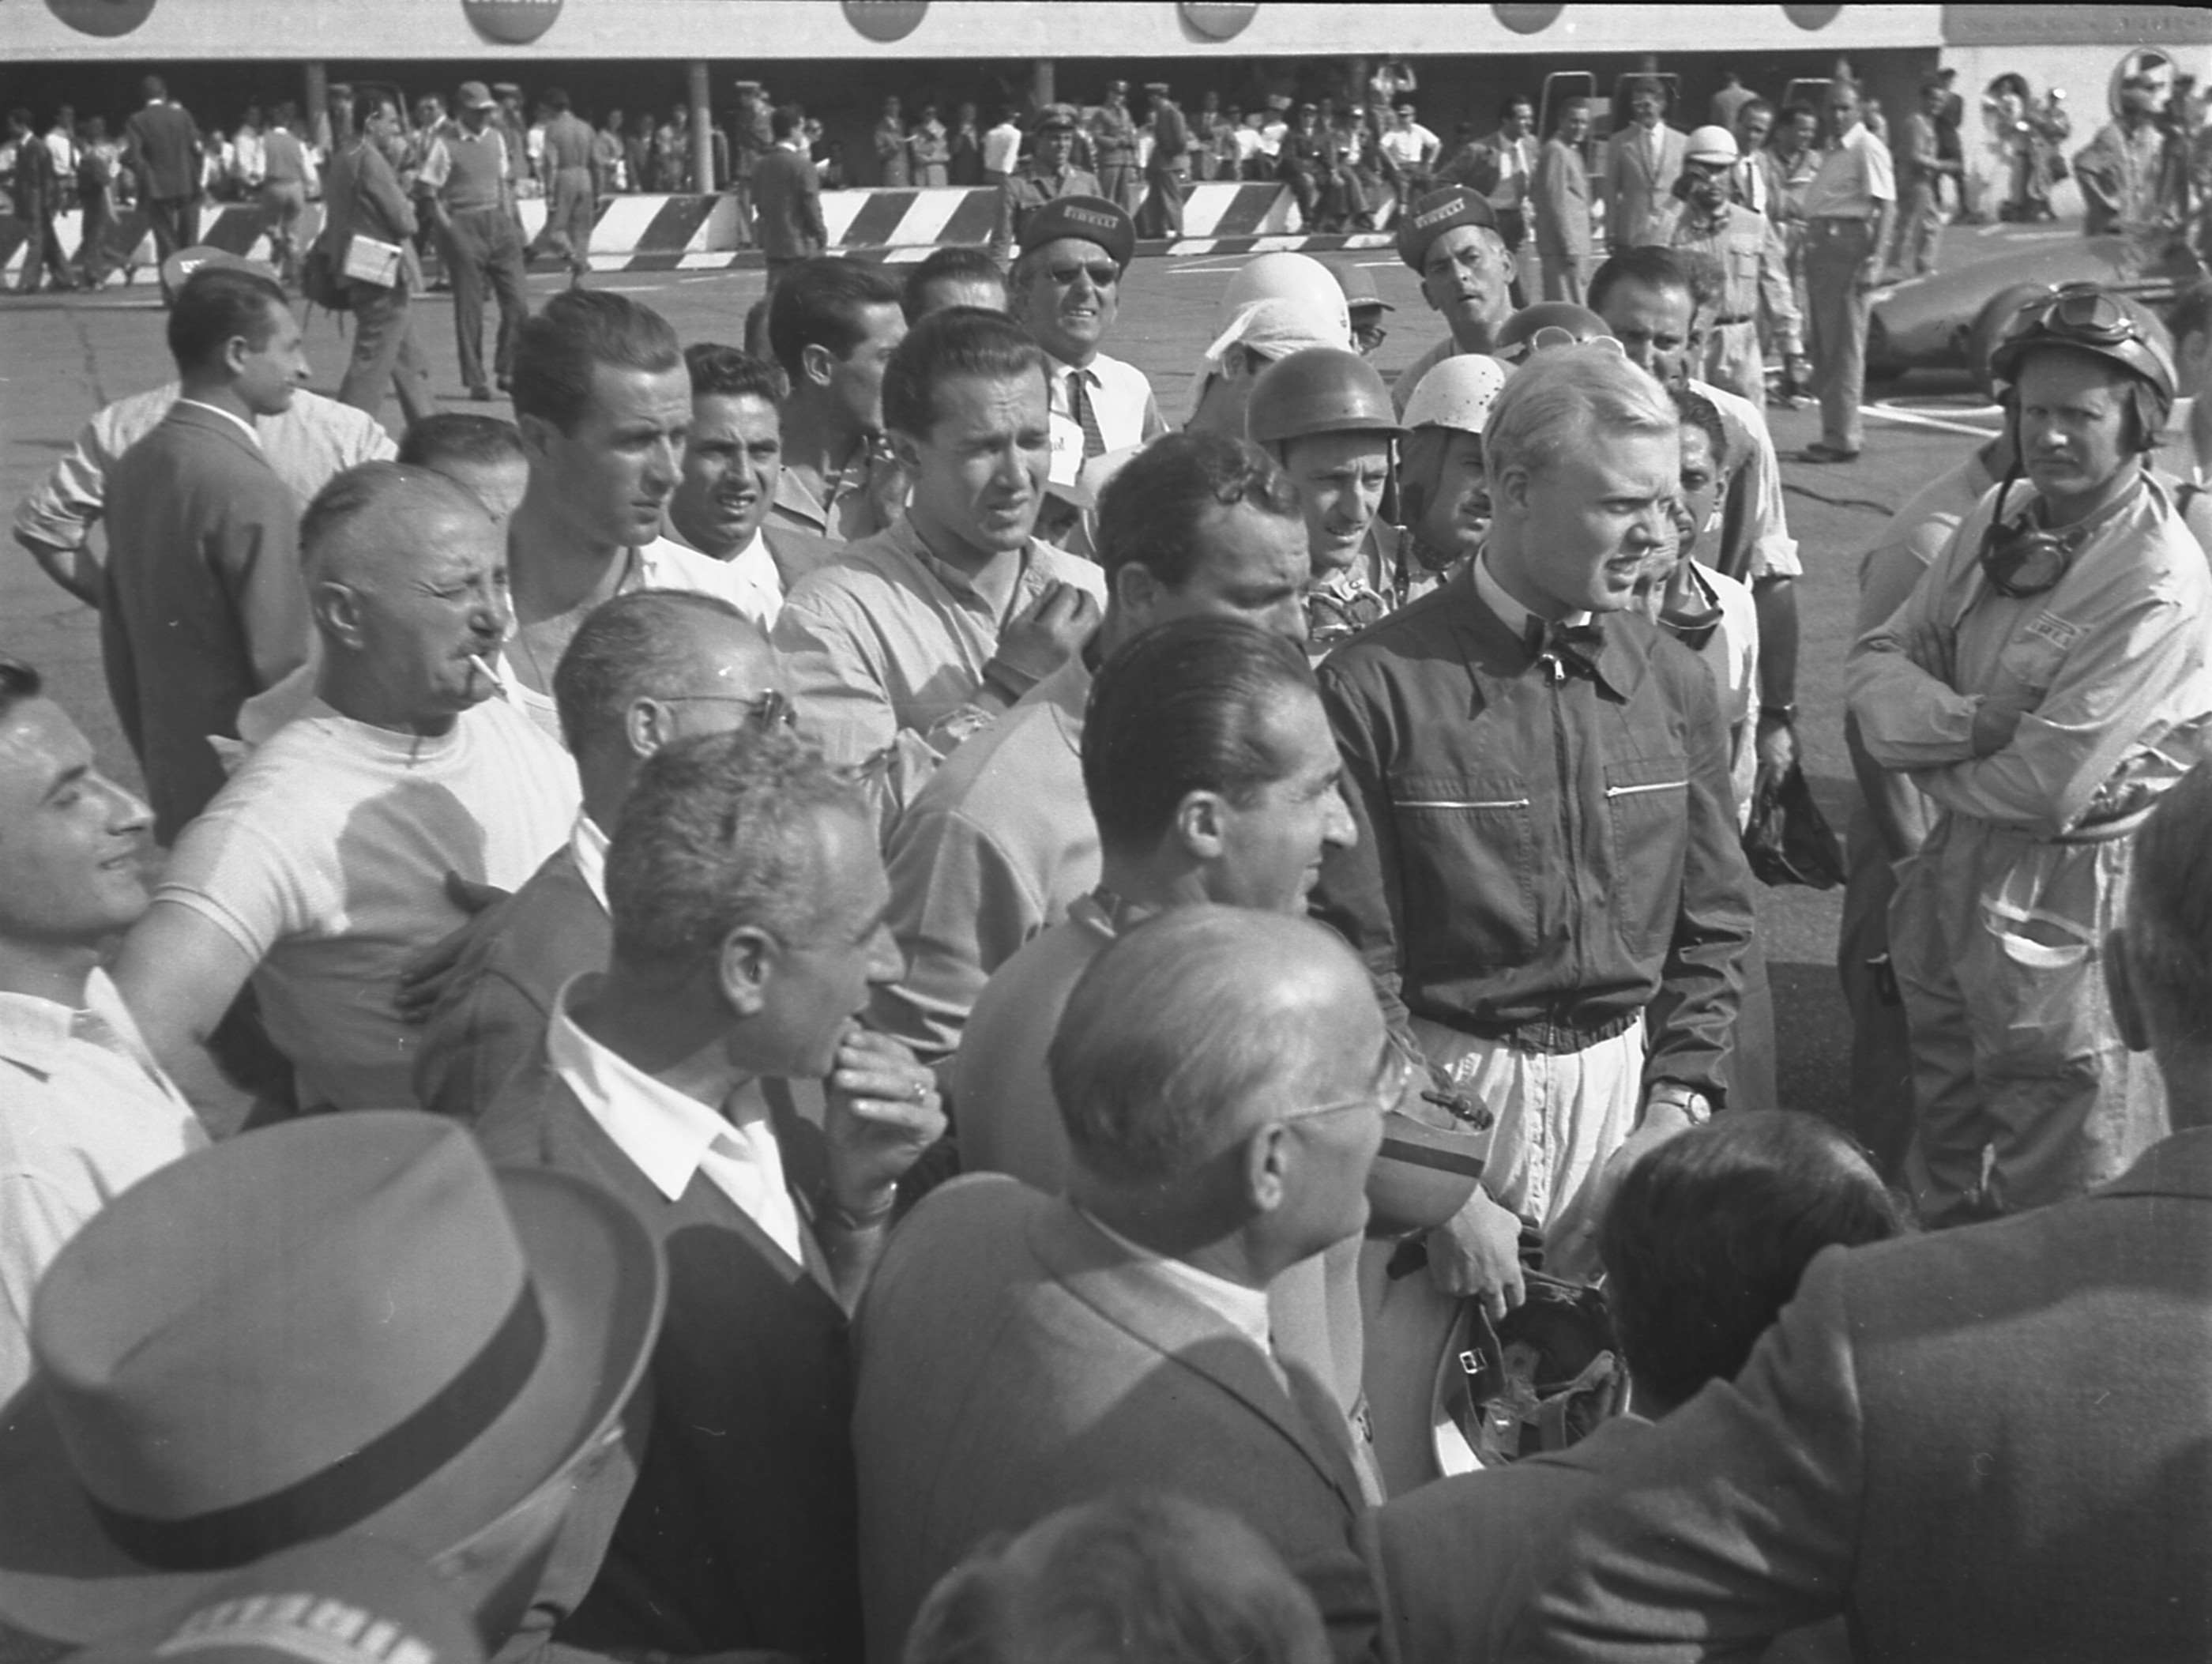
pixel 252 432
pixel 1002 147
pixel 80 1122
pixel 1243 1309
pixel 1121 400
pixel 588 848
pixel 755 587
pixel 671 1135
pixel 1411 146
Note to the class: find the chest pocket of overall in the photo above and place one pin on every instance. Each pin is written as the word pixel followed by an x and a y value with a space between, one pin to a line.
pixel 1743 248
pixel 1466 859
pixel 1647 810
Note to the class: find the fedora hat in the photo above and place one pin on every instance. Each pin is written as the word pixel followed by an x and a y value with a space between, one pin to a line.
pixel 350 1323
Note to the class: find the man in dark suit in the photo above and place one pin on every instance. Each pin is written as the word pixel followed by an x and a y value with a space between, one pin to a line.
pixel 646 669
pixel 1221 1073
pixel 202 605
pixel 1986 1443
pixel 162 144
pixel 747 901
pixel 788 197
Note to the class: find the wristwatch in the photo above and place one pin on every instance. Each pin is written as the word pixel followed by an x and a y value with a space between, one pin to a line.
pixel 1693 1106
pixel 1785 714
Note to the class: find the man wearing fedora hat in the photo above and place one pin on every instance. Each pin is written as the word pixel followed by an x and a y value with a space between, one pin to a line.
pixel 84 1111
pixel 346 1324
pixel 1064 288
pixel 1450 239
pixel 1050 172
pixel 747 901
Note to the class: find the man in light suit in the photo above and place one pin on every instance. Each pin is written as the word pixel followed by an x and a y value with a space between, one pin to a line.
pixel 1984 1444
pixel 646 669
pixel 1559 202
pixel 1642 163
pixel 1221 1073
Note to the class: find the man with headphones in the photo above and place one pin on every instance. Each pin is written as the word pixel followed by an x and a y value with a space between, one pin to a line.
pixel 2045 682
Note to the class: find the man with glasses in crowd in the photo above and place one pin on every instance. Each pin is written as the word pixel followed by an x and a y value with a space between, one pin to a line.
pixel 2044 684
pixel 1065 288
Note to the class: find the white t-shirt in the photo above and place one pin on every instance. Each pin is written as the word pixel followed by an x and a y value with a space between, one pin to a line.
pixel 1002 147
pixel 324 858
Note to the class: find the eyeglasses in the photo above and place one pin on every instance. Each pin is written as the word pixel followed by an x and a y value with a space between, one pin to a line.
pixel 1104 275
pixel 1392 1077
pixel 772 709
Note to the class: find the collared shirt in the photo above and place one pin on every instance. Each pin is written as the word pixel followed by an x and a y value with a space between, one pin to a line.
pixel 890 638
pixel 994 849
pixel 671 1135
pixel 1773 551
pixel 1753 262
pixel 850 514
pixel 1510 613
pixel 1243 1309
pixel 756 586
pixel 85 1112
pixel 588 848
pixel 2117 652
pixel 252 432
pixel 1121 399
pixel 1853 178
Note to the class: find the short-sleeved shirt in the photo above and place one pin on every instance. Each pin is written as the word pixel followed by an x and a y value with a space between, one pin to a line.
pixel 889 638
pixel 85 1112
pixel 324 859
pixel 1852 179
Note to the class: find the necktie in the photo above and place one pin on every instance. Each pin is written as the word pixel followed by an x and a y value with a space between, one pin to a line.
pixel 1079 402
pixel 1564 650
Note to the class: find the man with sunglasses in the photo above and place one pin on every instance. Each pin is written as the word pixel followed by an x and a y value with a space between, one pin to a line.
pixel 1065 289
pixel 1449 238
pixel 2044 684
pixel 648 668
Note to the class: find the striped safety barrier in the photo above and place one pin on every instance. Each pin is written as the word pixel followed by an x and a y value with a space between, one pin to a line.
pixel 700 234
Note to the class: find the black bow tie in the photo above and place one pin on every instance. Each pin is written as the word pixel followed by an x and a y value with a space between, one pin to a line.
pixel 1565 649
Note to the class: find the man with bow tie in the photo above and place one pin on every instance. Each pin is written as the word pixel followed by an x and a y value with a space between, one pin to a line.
pixel 1547 885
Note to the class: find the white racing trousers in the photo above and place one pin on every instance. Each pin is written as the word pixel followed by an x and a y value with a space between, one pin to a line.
pixel 2025 1093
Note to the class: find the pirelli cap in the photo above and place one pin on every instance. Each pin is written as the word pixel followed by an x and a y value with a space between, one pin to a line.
pixel 1440 211
pixel 1093 219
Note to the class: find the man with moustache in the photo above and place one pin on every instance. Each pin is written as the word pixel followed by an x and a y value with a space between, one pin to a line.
pixel 732 462
pixel 933 629
pixel 1547 865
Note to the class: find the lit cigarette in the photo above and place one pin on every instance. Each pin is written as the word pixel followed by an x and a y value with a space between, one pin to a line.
pixel 498 687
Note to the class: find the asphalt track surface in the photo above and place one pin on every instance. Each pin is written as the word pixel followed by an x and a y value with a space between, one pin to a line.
pixel 62 357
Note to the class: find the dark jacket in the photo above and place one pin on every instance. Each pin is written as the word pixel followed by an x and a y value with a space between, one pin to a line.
pixel 490 1023
pixel 787 199
pixel 164 147
pixel 734 1494
pixel 203 605
pixel 1539 852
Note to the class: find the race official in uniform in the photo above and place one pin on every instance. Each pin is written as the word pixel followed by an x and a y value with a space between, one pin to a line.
pixel 1049 173
pixel 2044 684
pixel 1451 240
pixel 1065 289
pixel 1114 149
pixel 1753 263
pixel 1547 886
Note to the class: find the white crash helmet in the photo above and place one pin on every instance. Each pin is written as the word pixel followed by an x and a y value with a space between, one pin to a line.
pixel 1458 392
pixel 1713 145
pixel 1300 279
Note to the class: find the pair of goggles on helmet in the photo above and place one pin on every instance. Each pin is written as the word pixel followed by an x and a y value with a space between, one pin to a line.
pixel 2098 322
pixel 2083 312
pixel 1552 336
pixel 2021 558
pixel 1332 617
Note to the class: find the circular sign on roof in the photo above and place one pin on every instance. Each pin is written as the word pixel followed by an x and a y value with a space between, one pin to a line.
pixel 1216 19
pixel 1811 17
pixel 885 20
pixel 511 23
pixel 105 18
pixel 1526 20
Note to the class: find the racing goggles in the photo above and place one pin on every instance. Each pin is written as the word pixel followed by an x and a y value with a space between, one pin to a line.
pixel 1551 335
pixel 2021 559
pixel 2095 320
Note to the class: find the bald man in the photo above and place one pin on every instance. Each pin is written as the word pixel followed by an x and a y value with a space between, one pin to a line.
pixel 645 669
pixel 320 870
pixel 1221 1073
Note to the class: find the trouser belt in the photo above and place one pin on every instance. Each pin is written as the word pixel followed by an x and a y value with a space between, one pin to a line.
pixel 1547 1039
